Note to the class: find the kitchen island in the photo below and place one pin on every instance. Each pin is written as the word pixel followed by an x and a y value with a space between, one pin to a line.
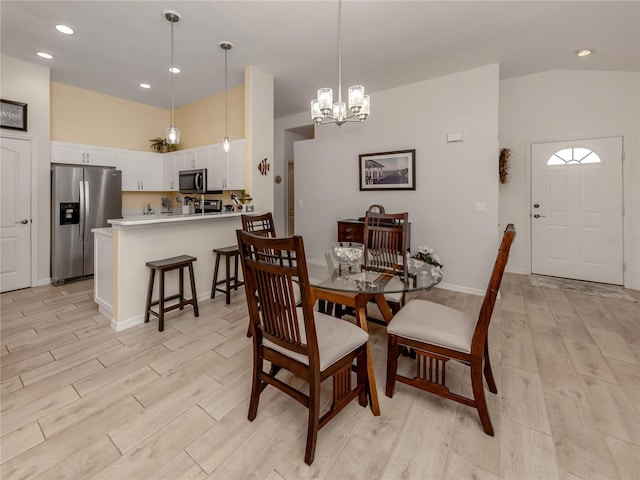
pixel 121 274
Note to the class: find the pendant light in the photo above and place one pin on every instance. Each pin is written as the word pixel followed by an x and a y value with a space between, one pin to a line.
pixel 172 134
pixel 226 46
pixel 323 110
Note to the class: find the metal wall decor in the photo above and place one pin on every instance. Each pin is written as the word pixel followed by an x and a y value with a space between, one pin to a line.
pixel 13 115
pixel 264 167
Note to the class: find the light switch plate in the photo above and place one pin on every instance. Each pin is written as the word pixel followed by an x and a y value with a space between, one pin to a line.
pixel 454 137
pixel 480 207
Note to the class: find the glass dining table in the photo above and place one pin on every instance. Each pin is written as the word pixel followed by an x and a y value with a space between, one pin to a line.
pixel 355 285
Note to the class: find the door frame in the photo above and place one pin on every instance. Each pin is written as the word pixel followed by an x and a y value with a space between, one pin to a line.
pixel 33 208
pixel 626 200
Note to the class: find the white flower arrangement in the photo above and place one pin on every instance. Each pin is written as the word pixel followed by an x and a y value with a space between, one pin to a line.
pixel 426 255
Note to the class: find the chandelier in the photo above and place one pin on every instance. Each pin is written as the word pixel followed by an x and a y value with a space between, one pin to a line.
pixel 172 134
pixel 323 110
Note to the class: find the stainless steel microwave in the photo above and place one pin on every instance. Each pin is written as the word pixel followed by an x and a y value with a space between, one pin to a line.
pixel 194 181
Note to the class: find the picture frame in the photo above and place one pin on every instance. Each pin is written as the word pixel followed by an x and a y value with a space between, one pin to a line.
pixel 388 170
pixel 13 115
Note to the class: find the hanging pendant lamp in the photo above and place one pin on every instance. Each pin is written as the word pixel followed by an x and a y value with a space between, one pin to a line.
pixel 226 46
pixel 172 134
pixel 323 110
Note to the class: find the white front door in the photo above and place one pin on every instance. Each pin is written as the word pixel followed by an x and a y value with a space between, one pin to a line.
pixel 576 209
pixel 15 214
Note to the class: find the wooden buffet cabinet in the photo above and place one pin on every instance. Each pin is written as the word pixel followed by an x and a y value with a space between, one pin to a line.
pixel 352 230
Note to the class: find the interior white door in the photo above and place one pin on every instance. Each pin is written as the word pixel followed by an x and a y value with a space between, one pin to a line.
pixel 576 209
pixel 15 214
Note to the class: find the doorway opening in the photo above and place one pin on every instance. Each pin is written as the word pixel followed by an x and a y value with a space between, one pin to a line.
pixel 292 135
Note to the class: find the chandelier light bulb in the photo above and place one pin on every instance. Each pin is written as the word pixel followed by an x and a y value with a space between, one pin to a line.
pixel 226 145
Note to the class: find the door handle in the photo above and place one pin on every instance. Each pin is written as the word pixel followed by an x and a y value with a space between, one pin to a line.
pixel 23 222
pixel 539 216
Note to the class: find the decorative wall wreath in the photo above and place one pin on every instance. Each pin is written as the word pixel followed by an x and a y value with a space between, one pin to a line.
pixel 504 164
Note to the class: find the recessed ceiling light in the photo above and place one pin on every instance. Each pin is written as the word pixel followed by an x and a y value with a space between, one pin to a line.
pixel 64 29
pixel 45 55
pixel 145 85
pixel 584 52
pixel 174 70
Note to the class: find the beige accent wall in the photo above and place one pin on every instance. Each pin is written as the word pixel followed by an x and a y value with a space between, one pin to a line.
pixel 83 116
pixel 202 122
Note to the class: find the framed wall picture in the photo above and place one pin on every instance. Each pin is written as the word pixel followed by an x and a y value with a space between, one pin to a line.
pixel 13 115
pixel 388 170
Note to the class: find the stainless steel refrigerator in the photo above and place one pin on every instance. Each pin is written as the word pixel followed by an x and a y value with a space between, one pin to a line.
pixel 82 198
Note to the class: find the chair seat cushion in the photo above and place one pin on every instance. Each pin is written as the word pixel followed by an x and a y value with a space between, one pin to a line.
pixel 336 338
pixel 394 284
pixel 433 323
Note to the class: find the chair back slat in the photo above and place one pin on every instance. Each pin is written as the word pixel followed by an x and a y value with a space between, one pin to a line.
pixel 271 266
pixel 385 239
pixel 484 317
pixel 261 225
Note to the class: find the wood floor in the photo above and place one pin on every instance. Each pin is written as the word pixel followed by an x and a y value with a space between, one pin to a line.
pixel 80 401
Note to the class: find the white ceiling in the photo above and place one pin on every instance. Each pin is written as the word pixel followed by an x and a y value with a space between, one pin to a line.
pixel 119 44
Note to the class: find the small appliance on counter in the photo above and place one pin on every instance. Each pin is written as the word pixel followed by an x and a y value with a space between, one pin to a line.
pixel 210 206
pixel 167 204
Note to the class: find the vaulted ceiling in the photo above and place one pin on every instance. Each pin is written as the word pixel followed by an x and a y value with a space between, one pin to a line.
pixel 119 44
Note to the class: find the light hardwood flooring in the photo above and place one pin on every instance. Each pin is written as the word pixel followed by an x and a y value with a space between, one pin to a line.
pixel 80 401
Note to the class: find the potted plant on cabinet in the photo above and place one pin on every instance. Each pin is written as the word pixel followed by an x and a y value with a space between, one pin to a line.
pixel 160 145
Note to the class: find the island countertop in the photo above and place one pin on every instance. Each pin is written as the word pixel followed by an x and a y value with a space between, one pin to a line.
pixel 168 218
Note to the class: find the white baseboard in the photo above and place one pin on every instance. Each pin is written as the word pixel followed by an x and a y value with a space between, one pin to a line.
pixel 138 319
pixel 519 271
pixel 128 323
pixel 41 282
pixel 461 289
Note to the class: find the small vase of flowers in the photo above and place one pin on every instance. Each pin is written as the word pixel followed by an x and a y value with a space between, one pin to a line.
pixel 427 255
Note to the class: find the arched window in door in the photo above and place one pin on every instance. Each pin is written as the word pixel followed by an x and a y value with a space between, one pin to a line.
pixel 572 156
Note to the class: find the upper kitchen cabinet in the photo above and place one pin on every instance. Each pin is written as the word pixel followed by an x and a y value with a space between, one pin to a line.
pixel 173 163
pixel 226 170
pixel 196 158
pixel 141 171
pixel 78 154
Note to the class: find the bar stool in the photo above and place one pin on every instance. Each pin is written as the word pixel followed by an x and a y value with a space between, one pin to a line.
pixel 227 253
pixel 165 265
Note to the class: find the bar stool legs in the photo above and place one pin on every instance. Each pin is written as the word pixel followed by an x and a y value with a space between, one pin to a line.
pixel 230 281
pixel 165 265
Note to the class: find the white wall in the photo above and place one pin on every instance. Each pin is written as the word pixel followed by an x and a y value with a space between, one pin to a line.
pixel 30 83
pixel 259 132
pixel 450 177
pixel 562 105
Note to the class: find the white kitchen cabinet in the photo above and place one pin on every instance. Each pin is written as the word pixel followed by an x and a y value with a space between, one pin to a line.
pixel 226 170
pixel 79 154
pixel 173 163
pixel 141 171
pixel 196 158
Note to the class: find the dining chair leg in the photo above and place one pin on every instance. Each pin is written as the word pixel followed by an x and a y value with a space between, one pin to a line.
pixel 478 394
pixel 392 364
pixel 256 388
pixel 362 377
pixel 314 419
pixel 491 383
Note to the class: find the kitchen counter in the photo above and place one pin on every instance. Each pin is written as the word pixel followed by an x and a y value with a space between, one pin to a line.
pixel 159 218
pixel 121 274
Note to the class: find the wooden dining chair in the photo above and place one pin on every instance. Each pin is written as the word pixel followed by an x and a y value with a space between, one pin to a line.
pixel 311 345
pixel 259 224
pixel 263 226
pixel 385 244
pixel 439 333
